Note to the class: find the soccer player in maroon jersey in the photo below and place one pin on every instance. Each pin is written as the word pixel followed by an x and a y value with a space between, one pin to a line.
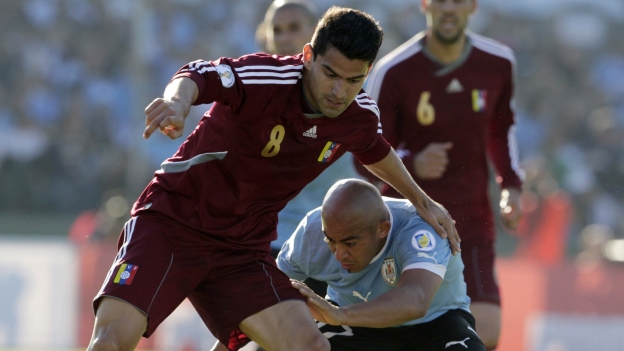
pixel 446 102
pixel 202 228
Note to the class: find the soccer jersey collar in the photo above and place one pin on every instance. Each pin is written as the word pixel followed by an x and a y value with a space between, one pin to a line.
pixel 446 69
pixel 381 252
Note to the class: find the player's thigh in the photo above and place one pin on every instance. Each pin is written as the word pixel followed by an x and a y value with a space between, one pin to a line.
pixel 479 271
pixel 454 330
pixel 245 284
pixel 158 265
pixel 285 326
pixel 488 322
pixel 117 323
pixel 345 338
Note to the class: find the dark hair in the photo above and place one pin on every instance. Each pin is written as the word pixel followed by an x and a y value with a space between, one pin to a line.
pixel 354 33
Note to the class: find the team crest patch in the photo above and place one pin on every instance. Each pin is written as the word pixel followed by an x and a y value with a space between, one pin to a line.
pixel 423 240
pixel 126 274
pixel 479 98
pixel 328 152
pixel 388 271
pixel 226 75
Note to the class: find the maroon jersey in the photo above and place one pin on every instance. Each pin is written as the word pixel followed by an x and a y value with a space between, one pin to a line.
pixel 255 149
pixel 468 103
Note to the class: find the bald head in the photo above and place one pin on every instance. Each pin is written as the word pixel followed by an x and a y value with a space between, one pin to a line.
pixel 354 201
pixel 355 223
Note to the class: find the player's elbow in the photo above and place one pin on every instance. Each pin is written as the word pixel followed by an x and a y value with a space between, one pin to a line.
pixel 419 313
pixel 417 310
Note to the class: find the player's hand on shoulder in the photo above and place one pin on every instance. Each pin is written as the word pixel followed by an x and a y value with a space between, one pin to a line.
pixel 510 208
pixel 439 218
pixel 431 162
pixel 166 115
pixel 321 309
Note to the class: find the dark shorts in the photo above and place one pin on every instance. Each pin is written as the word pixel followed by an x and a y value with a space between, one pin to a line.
pixel 161 262
pixel 453 330
pixel 478 257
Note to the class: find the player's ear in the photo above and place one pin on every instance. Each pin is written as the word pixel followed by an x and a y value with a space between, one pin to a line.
pixel 369 69
pixel 383 229
pixel 423 6
pixel 308 56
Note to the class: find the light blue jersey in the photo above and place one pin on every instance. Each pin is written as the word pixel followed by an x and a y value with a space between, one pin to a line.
pixel 411 244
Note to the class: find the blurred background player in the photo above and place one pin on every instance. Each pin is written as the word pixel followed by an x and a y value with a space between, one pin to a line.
pixel 287 27
pixel 446 101
pixel 396 283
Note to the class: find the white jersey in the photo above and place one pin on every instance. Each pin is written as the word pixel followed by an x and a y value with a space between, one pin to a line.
pixel 411 244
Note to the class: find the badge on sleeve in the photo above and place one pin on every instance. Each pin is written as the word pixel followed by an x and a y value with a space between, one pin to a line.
pixel 388 271
pixel 226 75
pixel 423 240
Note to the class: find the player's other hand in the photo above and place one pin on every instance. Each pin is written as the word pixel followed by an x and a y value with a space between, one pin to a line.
pixel 321 309
pixel 431 162
pixel 166 115
pixel 439 218
pixel 510 207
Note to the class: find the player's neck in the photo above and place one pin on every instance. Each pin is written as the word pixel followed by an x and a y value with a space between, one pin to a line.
pixel 445 53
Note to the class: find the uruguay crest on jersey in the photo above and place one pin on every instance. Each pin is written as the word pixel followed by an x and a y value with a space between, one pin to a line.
pixel 388 271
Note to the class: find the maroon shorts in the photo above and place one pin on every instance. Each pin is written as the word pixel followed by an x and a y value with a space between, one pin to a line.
pixel 478 256
pixel 161 262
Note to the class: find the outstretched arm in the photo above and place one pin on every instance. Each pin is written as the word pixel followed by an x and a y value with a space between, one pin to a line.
pixel 169 112
pixel 392 171
pixel 410 300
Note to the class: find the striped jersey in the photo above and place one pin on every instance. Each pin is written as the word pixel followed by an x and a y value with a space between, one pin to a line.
pixel 411 244
pixel 469 103
pixel 255 149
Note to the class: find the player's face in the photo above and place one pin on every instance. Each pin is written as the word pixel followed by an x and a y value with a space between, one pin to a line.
pixel 332 81
pixel 353 245
pixel 289 32
pixel 447 19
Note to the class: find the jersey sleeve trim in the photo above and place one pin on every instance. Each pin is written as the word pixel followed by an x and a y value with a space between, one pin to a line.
pixel 263 74
pixel 438 269
pixel 514 155
pixel 181 166
pixel 366 102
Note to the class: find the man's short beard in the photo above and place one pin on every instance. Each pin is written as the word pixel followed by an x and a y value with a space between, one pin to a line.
pixel 448 41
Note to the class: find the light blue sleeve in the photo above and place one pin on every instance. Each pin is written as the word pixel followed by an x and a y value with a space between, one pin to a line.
pixel 291 260
pixel 419 246
pixel 298 252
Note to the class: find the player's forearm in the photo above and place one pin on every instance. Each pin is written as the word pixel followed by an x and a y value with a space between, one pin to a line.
pixel 183 91
pixel 392 171
pixel 390 309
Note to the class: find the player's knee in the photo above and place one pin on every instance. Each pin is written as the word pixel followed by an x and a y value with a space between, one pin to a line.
pixel 489 339
pixel 104 344
pixel 104 339
pixel 490 345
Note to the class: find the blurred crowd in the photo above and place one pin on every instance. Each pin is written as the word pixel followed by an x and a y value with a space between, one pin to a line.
pixel 75 76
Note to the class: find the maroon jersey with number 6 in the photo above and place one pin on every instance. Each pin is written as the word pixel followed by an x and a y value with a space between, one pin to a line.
pixel 256 148
pixel 468 103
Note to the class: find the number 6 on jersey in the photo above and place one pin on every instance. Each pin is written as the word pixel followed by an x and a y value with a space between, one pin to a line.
pixel 277 136
pixel 425 111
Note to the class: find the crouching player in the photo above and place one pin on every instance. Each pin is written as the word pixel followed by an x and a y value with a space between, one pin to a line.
pixel 393 283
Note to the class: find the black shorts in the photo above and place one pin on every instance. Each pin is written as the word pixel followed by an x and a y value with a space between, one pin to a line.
pixel 452 331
